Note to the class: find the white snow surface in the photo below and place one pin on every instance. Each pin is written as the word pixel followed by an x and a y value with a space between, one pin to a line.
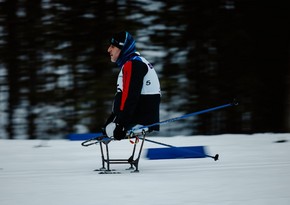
pixel 252 169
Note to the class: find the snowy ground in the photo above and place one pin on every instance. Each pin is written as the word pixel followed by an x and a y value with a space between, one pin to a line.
pixel 253 169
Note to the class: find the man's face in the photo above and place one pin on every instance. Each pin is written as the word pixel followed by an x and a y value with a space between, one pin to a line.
pixel 114 53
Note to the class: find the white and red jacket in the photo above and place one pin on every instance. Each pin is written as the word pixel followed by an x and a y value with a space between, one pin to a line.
pixel 138 94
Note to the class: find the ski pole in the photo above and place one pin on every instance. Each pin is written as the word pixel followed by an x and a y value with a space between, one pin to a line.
pixel 216 157
pixel 185 116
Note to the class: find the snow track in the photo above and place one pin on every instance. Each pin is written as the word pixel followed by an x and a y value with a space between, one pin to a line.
pixel 252 169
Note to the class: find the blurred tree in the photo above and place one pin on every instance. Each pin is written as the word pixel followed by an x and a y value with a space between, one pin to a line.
pixel 58 76
pixel 32 42
pixel 9 58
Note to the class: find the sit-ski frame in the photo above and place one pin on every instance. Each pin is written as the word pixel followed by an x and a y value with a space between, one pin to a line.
pixel 133 162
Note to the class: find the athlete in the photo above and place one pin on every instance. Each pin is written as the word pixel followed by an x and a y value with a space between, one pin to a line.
pixel 138 89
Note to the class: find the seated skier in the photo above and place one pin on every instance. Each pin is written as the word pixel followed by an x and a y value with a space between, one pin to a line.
pixel 138 93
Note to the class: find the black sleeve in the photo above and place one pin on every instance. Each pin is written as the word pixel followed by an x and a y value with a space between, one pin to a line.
pixel 110 119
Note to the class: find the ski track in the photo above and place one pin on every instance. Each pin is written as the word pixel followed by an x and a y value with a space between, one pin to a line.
pixel 252 169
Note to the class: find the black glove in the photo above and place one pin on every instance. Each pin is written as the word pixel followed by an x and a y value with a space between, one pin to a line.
pixel 119 132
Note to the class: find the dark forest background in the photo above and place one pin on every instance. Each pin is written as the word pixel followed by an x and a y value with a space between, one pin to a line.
pixel 56 76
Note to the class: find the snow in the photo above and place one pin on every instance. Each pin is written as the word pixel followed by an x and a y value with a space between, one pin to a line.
pixel 252 169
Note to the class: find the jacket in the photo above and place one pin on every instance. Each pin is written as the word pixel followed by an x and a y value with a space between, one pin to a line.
pixel 138 94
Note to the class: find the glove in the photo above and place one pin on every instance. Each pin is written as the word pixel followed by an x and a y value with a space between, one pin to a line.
pixel 115 130
pixel 108 121
pixel 109 129
pixel 120 132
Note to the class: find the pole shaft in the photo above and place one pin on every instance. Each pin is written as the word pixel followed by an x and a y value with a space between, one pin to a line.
pixel 184 116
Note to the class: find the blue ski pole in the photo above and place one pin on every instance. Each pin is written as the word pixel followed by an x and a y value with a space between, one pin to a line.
pixel 185 116
pixel 144 128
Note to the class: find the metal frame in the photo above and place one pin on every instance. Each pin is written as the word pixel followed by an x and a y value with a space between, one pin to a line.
pixel 107 161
